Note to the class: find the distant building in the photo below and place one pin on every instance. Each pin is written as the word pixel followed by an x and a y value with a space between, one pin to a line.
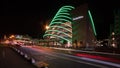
pixel 117 26
pixel 117 21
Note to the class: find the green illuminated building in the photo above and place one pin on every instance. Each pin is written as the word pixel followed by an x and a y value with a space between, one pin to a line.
pixel 72 26
pixel 60 27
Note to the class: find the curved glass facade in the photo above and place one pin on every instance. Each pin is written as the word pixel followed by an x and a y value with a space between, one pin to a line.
pixel 60 27
pixel 72 27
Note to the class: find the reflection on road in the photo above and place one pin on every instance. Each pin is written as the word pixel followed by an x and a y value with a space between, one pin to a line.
pixel 56 59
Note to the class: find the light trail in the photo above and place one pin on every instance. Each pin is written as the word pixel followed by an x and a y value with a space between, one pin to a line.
pixel 98 57
pixel 65 56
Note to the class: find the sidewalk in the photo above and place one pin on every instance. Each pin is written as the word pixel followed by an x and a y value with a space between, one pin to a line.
pixel 10 59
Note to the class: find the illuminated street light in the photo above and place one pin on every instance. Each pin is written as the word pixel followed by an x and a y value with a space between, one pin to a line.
pixel 12 36
pixel 113 33
pixel 113 40
pixel 47 27
pixel 5 37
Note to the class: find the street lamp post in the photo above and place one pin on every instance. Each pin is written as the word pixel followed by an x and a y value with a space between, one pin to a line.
pixel 47 27
pixel 113 40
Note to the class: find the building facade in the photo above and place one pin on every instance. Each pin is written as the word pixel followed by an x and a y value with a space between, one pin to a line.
pixel 84 33
pixel 73 27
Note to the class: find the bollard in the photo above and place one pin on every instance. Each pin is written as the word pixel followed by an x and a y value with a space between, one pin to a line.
pixel 21 53
pixel 32 60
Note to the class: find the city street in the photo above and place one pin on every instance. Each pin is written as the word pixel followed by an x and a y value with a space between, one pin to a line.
pixel 60 34
pixel 57 59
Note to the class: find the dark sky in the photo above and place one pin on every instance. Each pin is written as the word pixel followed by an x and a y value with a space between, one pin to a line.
pixel 30 16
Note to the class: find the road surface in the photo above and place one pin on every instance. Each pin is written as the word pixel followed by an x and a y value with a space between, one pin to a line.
pixel 10 59
pixel 58 59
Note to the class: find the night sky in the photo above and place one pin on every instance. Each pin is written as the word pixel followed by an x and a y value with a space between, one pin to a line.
pixel 31 16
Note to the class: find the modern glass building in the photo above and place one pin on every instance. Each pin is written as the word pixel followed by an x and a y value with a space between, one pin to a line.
pixel 72 27
pixel 60 28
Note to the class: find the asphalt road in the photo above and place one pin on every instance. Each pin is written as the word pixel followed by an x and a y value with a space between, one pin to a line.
pixel 56 59
pixel 10 59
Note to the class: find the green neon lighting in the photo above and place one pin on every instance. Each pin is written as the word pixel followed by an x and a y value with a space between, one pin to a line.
pixel 68 7
pixel 59 32
pixel 62 16
pixel 62 28
pixel 57 36
pixel 61 10
pixel 61 19
pixel 93 26
pixel 60 23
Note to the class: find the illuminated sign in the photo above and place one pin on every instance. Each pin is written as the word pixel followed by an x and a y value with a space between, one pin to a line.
pixel 79 17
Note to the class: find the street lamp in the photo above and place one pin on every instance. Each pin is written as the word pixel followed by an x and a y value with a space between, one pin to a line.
pixel 113 40
pixel 12 36
pixel 47 27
